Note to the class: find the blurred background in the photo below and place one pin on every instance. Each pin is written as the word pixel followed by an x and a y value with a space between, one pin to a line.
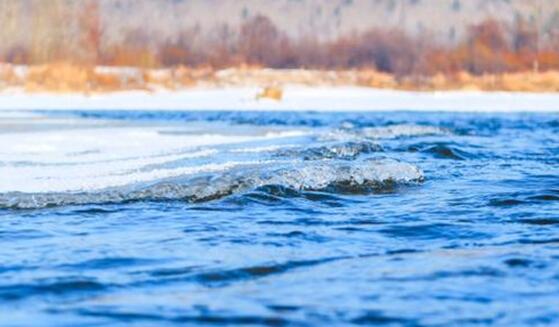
pixel 403 38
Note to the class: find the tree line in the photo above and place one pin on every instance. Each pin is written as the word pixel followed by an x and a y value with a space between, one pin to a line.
pixel 489 47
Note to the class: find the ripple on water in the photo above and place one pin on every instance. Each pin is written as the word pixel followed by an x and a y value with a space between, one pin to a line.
pixel 353 177
pixel 55 287
pixel 442 150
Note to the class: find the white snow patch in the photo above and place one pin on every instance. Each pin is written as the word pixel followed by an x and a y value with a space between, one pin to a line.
pixel 296 98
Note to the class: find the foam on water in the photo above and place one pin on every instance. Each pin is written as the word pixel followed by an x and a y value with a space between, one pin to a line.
pixel 218 181
pixel 89 159
pixel 401 130
pixel 350 132
pixel 115 163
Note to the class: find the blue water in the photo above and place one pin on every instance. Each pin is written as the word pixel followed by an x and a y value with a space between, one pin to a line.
pixel 399 219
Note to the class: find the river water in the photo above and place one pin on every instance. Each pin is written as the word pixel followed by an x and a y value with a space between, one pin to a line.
pixel 278 218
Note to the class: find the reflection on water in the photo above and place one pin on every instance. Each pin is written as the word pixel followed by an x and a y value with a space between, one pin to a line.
pixel 279 218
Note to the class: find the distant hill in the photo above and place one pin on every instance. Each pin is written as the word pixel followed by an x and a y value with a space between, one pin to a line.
pixel 161 20
pixel 446 20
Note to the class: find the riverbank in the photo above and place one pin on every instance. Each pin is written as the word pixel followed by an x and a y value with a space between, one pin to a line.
pixel 293 98
pixel 67 78
pixel 67 87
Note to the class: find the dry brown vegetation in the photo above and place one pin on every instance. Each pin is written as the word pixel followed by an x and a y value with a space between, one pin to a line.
pixel 72 78
pixel 490 47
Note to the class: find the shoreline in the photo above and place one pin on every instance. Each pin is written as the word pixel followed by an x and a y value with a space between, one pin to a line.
pixel 294 98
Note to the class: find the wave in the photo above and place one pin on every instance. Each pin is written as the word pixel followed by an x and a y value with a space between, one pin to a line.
pixel 336 176
pixel 349 132
pixel 196 162
pixel 402 130
pixel 345 150
pixel 443 150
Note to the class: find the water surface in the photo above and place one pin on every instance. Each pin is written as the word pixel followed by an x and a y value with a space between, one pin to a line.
pixel 186 218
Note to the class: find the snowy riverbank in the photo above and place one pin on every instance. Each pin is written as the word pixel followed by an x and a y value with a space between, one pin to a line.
pixel 295 98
